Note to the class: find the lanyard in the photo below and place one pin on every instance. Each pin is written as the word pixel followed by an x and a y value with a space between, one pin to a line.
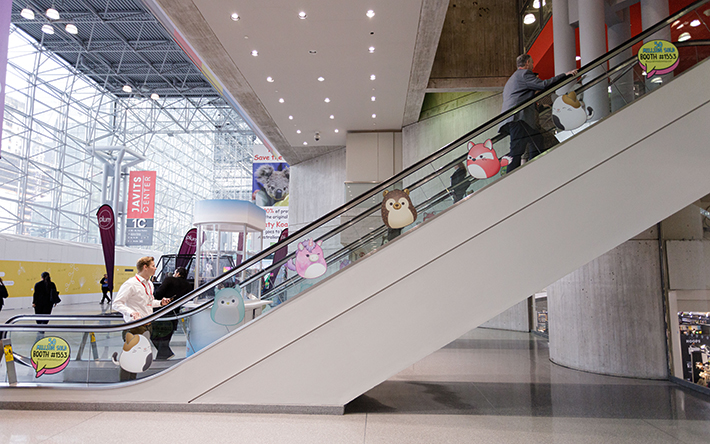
pixel 144 287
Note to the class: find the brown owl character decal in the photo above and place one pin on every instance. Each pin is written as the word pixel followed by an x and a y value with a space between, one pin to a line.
pixel 397 209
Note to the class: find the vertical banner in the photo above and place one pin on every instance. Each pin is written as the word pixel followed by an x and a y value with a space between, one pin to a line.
pixel 187 248
pixel 140 208
pixel 107 230
pixel 5 11
pixel 270 190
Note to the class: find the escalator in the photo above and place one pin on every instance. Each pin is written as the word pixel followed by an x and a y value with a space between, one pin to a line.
pixel 388 297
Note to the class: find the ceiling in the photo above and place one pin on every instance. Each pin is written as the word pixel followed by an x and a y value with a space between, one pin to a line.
pixel 332 42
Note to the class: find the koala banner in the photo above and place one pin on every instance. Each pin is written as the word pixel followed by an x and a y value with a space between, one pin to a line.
pixel 270 191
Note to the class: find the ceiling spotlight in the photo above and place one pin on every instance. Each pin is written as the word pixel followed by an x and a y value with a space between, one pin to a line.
pixel 269 79
pixel 127 88
pixel 320 79
pixel 302 15
pixel 683 37
pixel 298 131
pixel 332 117
pixel 371 49
pixel 372 98
pixel 695 23
pixel 28 14
pixel 578 58
pixel 529 19
pixel 290 117
pixel 372 77
pixel 370 13
pixel 305 143
pixel 255 53
pixel 281 100
pixel 336 130
pixel 374 116
pixel 536 3
pixel 48 29
pixel 154 96
pixel 71 28
pixel 235 17
pixel 327 100
pixel 52 14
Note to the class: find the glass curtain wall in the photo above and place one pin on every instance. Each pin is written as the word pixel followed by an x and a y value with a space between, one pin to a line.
pixel 50 182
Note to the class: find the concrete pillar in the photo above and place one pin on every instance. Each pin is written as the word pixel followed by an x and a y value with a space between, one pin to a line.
pixel 563 34
pixel 592 44
pixel 622 88
pixel 607 316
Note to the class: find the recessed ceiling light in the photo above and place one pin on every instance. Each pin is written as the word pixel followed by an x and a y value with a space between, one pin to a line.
pixel 578 58
pixel 52 14
pixel 290 117
pixel 695 23
pixel 48 29
pixel 269 79
pixel 281 100
pixel 332 116
pixel 320 79
pixel 327 100
pixel 372 98
pixel 302 15
pixel 298 131
pixel 371 49
pixel 529 19
pixel 155 96
pixel 336 130
pixel 127 88
pixel 370 13
pixel 255 53
pixel 71 28
pixel 374 116
pixel 28 14
pixel 372 77
pixel 235 17
pixel 305 143
pixel 683 37
pixel 536 4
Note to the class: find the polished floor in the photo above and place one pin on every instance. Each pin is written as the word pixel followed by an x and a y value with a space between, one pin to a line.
pixel 489 386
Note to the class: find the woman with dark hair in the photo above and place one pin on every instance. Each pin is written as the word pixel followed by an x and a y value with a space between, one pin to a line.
pixel 43 296
pixel 3 293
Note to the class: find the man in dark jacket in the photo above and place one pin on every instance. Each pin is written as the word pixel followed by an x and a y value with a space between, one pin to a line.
pixel 522 127
pixel 172 287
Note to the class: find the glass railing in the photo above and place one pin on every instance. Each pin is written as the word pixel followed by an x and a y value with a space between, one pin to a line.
pixel 82 350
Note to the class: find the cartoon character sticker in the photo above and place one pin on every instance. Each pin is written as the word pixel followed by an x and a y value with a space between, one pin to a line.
pixel 569 113
pixel 228 307
pixel 658 57
pixel 136 355
pixel 397 209
pixel 482 161
pixel 309 262
pixel 50 355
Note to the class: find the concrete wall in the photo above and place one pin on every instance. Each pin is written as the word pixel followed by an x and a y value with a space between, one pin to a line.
pixel 607 316
pixel 316 188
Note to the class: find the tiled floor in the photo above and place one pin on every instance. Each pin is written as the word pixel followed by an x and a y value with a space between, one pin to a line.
pixel 489 386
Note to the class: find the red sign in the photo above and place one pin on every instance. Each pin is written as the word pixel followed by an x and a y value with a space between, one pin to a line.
pixel 141 195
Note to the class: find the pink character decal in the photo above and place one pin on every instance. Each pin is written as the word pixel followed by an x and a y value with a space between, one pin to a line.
pixel 309 262
pixel 482 160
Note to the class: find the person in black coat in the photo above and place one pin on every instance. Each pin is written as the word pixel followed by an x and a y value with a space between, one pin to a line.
pixel 3 293
pixel 42 298
pixel 172 287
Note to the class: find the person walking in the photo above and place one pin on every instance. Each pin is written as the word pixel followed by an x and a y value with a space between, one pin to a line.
pixel 45 296
pixel 3 293
pixel 105 289
pixel 522 127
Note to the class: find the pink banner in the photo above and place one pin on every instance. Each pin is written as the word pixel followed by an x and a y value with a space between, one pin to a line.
pixel 141 195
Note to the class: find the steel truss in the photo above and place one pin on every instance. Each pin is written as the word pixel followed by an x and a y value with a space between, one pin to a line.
pixel 50 183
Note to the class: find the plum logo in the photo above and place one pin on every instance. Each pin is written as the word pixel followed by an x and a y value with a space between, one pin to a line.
pixel 105 218
pixel 191 239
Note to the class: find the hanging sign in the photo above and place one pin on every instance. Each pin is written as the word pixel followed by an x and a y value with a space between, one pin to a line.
pixel 50 355
pixel 658 57
pixel 140 208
